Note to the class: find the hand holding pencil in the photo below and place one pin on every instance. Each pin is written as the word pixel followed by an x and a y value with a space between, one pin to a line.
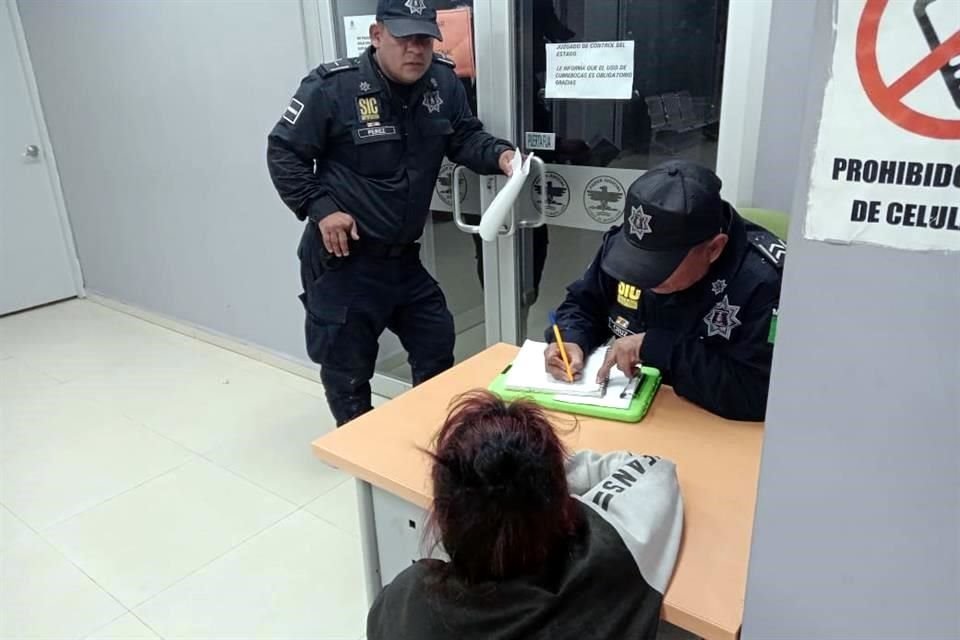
pixel 564 360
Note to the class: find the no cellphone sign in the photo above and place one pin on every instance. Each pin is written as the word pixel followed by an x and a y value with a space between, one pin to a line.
pixel 887 163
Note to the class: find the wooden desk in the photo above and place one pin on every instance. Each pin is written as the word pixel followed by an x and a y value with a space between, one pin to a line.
pixel 717 461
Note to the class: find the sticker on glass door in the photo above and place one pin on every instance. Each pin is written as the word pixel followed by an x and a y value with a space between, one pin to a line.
pixel 445 184
pixel 556 194
pixel 604 199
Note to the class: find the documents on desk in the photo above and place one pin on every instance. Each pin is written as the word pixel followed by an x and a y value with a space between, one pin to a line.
pixel 619 393
pixel 528 373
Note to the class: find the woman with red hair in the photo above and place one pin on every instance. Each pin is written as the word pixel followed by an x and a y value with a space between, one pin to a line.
pixel 541 544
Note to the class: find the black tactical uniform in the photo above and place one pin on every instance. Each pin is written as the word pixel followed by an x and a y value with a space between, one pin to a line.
pixel 714 341
pixel 378 147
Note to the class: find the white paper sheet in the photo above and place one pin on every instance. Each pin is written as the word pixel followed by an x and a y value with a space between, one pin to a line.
pixel 529 374
pixel 356 33
pixel 590 70
pixel 496 214
pixel 618 384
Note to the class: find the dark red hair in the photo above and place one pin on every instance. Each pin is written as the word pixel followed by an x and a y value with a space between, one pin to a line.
pixel 501 504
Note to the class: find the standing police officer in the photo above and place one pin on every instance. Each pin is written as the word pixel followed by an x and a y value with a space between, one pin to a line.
pixel 357 152
pixel 685 285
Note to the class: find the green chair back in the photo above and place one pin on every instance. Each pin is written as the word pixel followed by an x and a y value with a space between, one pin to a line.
pixel 775 221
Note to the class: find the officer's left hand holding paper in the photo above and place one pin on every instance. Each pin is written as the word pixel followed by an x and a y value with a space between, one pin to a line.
pixel 495 215
pixel 506 162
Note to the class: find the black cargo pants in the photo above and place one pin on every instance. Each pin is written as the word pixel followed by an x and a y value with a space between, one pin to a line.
pixel 349 302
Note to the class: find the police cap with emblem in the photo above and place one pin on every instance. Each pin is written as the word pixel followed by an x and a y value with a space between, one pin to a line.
pixel 670 209
pixel 408 18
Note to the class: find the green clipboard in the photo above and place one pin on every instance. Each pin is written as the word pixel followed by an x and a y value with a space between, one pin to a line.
pixel 642 399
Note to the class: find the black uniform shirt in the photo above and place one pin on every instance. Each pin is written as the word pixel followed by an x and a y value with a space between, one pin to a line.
pixel 712 342
pixel 377 155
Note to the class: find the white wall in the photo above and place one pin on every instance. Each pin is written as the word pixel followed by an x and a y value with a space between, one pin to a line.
pixel 857 531
pixel 779 152
pixel 159 113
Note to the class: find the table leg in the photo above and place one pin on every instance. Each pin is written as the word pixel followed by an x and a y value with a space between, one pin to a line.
pixel 368 541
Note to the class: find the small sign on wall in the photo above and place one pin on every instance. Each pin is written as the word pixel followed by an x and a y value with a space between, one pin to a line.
pixel 536 141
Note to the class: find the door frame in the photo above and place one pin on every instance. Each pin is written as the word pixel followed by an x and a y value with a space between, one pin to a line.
pixel 496 105
pixel 744 78
pixel 49 158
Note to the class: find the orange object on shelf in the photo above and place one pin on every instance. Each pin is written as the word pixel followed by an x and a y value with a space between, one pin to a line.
pixel 456 25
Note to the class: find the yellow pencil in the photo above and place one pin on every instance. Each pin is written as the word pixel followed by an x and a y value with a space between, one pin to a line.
pixel 563 351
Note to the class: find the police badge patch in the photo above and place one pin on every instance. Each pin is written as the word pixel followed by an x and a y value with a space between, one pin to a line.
pixel 639 222
pixel 722 319
pixel 432 101
pixel 415 6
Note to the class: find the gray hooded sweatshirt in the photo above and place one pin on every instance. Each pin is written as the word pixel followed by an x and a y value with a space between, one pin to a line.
pixel 608 585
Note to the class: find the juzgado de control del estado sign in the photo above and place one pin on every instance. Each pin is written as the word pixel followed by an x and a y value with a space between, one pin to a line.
pixel 887 164
pixel 590 70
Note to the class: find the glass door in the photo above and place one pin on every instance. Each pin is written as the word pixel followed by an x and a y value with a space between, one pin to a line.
pixel 599 120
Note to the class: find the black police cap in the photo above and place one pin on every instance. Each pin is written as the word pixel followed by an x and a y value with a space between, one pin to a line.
pixel 405 18
pixel 670 209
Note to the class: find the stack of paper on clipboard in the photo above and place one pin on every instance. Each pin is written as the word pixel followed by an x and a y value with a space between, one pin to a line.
pixel 528 374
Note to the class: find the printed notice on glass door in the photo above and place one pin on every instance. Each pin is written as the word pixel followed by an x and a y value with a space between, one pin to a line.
pixel 590 70
pixel 356 33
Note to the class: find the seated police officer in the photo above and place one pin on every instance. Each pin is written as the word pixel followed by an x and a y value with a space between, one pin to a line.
pixel 685 285
pixel 357 152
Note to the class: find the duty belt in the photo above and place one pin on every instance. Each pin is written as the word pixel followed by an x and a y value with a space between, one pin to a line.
pixel 383 250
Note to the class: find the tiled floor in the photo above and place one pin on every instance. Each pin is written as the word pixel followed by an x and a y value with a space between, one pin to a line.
pixel 153 486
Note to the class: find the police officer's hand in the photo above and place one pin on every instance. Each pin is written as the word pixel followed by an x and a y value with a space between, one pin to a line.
pixel 336 230
pixel 554 361
pixel 506 162
pixel 625 353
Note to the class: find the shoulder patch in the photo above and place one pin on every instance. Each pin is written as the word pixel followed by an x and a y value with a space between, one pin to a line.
pixel 292 114
pixel 445 60
pixel 772 248
pixel 327 69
